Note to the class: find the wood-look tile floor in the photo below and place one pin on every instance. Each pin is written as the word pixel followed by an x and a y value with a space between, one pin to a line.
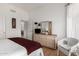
pixel 51 52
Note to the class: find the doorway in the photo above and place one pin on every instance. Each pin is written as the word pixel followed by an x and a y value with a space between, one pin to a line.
pixel 24 28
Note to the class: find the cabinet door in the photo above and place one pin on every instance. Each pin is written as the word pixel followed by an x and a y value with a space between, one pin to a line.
pixel 2 27
pixel 36 38
pixel 50 42
pixel 43 40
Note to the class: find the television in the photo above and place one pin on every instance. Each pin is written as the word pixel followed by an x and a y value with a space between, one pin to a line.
pixel 37 31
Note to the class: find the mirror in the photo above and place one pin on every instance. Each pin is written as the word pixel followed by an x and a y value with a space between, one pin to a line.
pixel 46 27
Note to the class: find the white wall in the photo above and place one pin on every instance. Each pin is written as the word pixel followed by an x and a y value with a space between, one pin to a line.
pixel 54 13
pixel 2 27
pixel 8 12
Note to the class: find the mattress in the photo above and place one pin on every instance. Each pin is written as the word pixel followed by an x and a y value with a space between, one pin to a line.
pixel 38 52
pixel 10 48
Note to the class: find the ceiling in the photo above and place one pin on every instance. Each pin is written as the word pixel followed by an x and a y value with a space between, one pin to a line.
pixel 31 6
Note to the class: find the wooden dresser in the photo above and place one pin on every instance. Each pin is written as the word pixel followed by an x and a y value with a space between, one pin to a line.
pixel 45 40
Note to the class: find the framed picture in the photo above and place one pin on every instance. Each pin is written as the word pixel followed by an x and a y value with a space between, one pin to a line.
pixel 13 22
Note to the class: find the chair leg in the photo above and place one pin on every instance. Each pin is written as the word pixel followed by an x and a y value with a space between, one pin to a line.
pixel 58 52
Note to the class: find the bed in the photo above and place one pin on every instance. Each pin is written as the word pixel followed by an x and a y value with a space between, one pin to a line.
pixel 9 48
pixel 20 47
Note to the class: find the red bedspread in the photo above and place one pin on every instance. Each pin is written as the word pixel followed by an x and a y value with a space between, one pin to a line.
pixel 28 44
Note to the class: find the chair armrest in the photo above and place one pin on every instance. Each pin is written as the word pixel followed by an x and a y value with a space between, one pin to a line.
pixel 62 41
